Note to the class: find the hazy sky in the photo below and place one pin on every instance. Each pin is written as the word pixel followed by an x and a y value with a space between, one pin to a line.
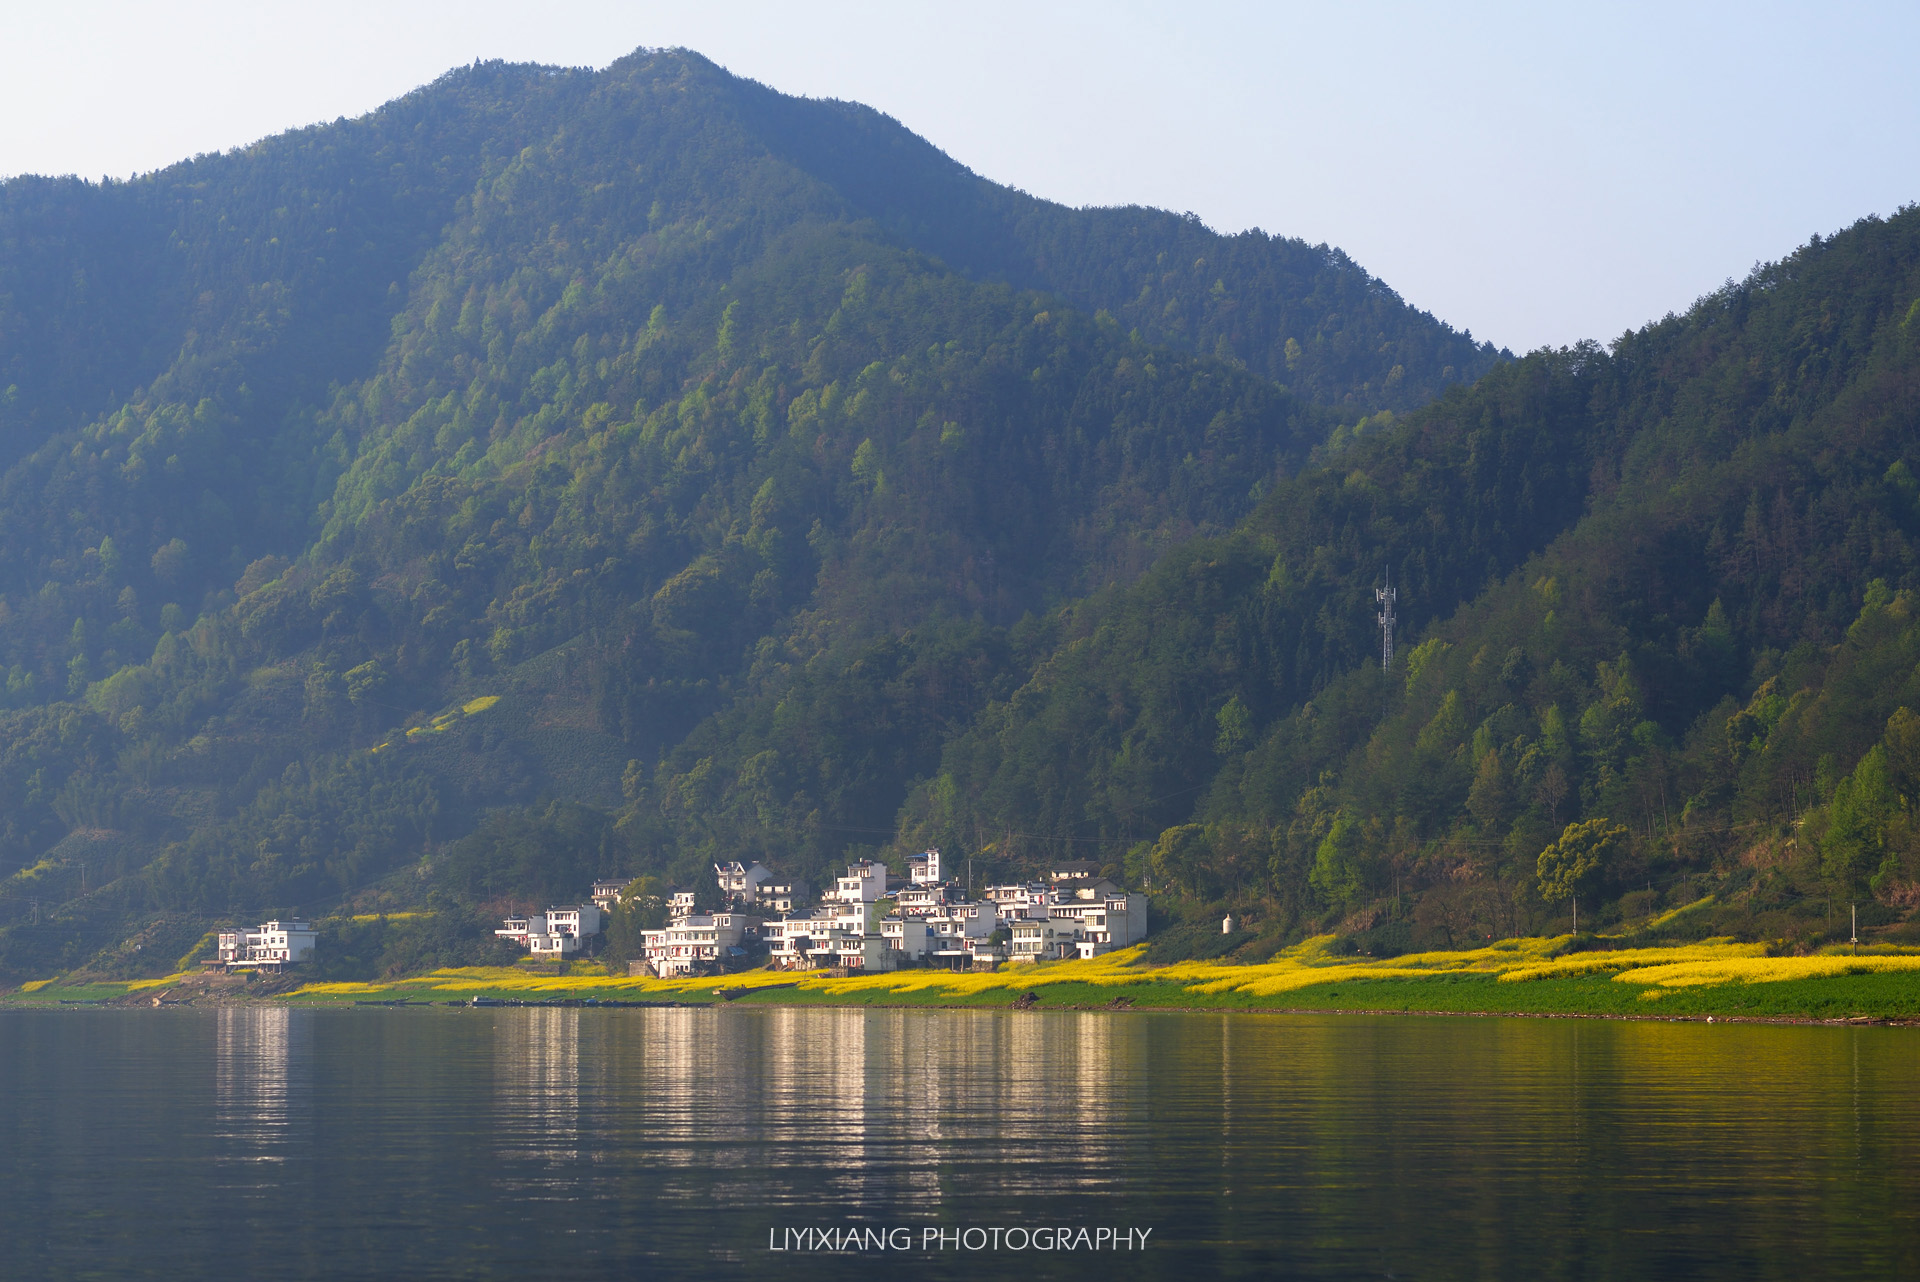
pixel 1536 173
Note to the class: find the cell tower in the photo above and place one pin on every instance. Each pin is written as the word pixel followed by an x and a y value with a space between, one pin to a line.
pixel 1386 597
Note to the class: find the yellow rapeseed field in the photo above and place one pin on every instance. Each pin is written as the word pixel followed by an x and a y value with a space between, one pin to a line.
pixel 1713 961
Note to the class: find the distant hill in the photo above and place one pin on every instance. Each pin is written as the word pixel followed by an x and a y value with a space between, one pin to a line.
pixel 519 447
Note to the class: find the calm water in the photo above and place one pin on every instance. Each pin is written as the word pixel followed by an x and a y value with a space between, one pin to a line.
pixel 653 1143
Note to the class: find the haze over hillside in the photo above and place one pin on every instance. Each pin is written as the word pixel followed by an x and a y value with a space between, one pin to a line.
pixel 557 474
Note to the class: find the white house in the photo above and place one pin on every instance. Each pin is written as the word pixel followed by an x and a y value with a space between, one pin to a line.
pixel 519 929
pixel 695 943
pixel 271 945
pixel 786 897
pixel 865 882
pixel 553 945
pixel 960 929
pixel 1022 899
pixel 742 882
pixel 868 953
pixel 917 900
pixel 1112 921
pixel 1043 939
pixel 679 905
pixel 923 869
pixel 555 933
pixel 580 920
pixel 908 938
pixel 606 893
pixel 789 938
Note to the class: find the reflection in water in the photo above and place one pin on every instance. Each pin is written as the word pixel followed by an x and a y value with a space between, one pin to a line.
pixel 642 1142
pixel 262 1083
pixel 537 1057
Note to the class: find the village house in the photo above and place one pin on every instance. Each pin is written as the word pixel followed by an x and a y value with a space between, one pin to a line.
pixel 923 869
pixel 1113 920
pixel 915 900
pixel 272 945
pixel 960 931
pixel 1022 899
pixel 1035 939
pixel 697 943
pixel 555 934
pixel 908 939
pixel 679 905
pixel 787 896
pixel 865 882
pixel 607 892
pixel 1076 912
pixel 742 883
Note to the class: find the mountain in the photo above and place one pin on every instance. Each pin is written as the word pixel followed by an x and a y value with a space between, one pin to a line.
pixel 624 466
pixel 1657 601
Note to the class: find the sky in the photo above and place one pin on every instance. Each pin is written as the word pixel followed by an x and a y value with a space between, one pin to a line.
pixel 1537 174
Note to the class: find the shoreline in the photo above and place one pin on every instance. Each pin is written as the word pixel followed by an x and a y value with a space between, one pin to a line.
pixel 1714 980
pixel 1108 1008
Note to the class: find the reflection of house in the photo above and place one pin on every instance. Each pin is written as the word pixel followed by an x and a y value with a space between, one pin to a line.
pixel 696 943
pixel 742 882
pixel 269 946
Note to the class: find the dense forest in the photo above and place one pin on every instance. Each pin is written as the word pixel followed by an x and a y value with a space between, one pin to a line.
pixel 558 474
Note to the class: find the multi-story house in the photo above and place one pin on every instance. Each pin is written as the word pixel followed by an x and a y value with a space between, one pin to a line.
pixel 579 920
pixel 1034 939
pixel 1113 920
pixel 679 905
pixel 742 883
pixel 923 869
pixel 607 892
pixel 272 945
pixel 917 900
pixel 865 882
pixel 696 943
pixel 786 897
pixel 519 929
pixel 1022 899
pixel 792 941
pixel 907 938
pixel 960 929
pixel 555 933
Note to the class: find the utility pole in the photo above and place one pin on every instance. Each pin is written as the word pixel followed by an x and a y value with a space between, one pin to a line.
pixel 1386 597
pixel 1855 909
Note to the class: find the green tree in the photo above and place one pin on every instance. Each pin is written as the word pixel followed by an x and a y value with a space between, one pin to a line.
pixel 1339 868
pixel 1855 843
pixel 1576 860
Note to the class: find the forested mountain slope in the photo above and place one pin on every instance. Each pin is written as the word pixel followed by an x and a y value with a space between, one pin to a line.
pixel 1666 589
pixel 518 443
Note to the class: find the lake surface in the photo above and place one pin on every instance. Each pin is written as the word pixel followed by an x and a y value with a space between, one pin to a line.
pixel 535 1143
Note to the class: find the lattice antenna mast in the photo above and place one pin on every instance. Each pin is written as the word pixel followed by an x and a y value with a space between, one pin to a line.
pixel 1386 597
